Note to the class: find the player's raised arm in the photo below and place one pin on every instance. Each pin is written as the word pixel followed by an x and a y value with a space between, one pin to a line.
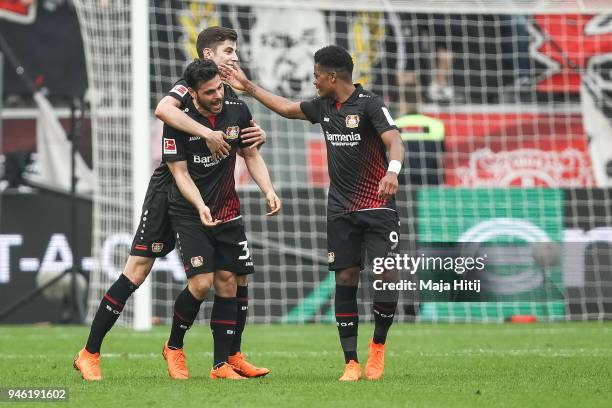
pixel 169 111
pixel 283 106
pixel 259 172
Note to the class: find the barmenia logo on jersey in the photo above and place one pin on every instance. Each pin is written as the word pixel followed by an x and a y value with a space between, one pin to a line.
pixel 232 132
pixel 197 261
pixel 352 121
pixel 339 139
pixel 331 257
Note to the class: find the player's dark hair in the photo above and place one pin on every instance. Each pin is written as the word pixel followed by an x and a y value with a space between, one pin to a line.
pixel 200 70
pixel 212 36
pixel 334 58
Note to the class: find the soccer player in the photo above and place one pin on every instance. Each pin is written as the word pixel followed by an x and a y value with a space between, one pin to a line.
pixel 219 45
pixel 204 193
pixel 358 129
pixel 154 237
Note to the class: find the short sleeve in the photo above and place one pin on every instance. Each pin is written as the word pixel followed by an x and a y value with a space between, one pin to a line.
pixel 180 92
pixel 174 143
pixel 312 110
pixel 379 115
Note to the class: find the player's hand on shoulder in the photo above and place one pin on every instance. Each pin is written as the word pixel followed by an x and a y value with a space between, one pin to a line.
pixel 234 76
pixel 206 217
pixel 217 145
pixel 254 136
pixel 274 203
pixel 388 185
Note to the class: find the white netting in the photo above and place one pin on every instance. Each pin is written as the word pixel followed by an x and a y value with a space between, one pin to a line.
pixel 106 32
pixel 519 86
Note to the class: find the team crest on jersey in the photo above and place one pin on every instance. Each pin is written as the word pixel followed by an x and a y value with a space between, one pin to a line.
pixel 197 261
pixel 331 257
pixel 169 146
pixel 352 121
pixel 157 247
pixel 232 132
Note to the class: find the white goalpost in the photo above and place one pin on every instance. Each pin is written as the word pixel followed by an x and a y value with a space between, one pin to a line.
pixel 141 140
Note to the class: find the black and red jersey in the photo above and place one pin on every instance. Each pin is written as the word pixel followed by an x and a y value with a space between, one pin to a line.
pixel 161 180
pixel 214 178
pixel 356 154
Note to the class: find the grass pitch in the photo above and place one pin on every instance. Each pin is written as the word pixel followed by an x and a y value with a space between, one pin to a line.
pixel 545 365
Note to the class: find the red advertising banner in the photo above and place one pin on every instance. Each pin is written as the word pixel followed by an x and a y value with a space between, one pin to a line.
pixel 516 149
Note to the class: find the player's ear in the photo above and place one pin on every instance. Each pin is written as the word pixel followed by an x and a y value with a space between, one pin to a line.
pixel 207 53
pixel 332 76
pixel 192 92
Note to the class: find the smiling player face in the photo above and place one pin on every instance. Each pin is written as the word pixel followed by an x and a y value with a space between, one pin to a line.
pixel 209 95
pixel 224 53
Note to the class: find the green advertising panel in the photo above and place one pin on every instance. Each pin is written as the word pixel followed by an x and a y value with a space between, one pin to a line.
pixel 516 230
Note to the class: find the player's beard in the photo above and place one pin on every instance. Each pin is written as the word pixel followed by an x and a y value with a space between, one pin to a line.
pixel 214 106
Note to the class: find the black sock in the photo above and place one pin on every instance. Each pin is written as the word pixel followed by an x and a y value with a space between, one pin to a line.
pixel 186 308
pixel 383 319
pixel 242 310
pixel 223 325
pixel 347 320
pixel 108 312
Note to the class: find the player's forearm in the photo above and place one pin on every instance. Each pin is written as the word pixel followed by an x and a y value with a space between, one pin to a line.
pixel 188 189
pixel 259 172
pixel 278 104
pixel 175 117
pixel 396 150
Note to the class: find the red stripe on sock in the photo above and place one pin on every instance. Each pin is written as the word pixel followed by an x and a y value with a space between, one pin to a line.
pixel 230 322
pixel 182 318
pixel 347 314
pixel 113 301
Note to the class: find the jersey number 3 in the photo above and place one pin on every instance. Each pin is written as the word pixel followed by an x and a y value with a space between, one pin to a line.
pixel 245 250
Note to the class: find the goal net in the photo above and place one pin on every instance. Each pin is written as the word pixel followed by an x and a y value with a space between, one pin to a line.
pixel 505 109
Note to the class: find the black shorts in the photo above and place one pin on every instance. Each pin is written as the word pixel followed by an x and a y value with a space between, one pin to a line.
pixel 154 237
pixel 354 239
pixel 204 249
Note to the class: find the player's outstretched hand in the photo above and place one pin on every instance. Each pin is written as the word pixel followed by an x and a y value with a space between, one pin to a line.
pixel 217 145
pixel 388 185
pixel 206 217
pixel 233 76
pixel 254 135
pixel 274 203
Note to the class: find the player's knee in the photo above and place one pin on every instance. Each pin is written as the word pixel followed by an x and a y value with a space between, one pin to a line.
pixel 242 280
pixel 138 268
pixel 199 285
pixel 348 276
pixel 225 283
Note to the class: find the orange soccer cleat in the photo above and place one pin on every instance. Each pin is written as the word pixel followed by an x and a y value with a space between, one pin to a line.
pixel 244 368
pixel 175 359
pixel 375 367
pixel 226 371
pixel 88 364
pixel 352 371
